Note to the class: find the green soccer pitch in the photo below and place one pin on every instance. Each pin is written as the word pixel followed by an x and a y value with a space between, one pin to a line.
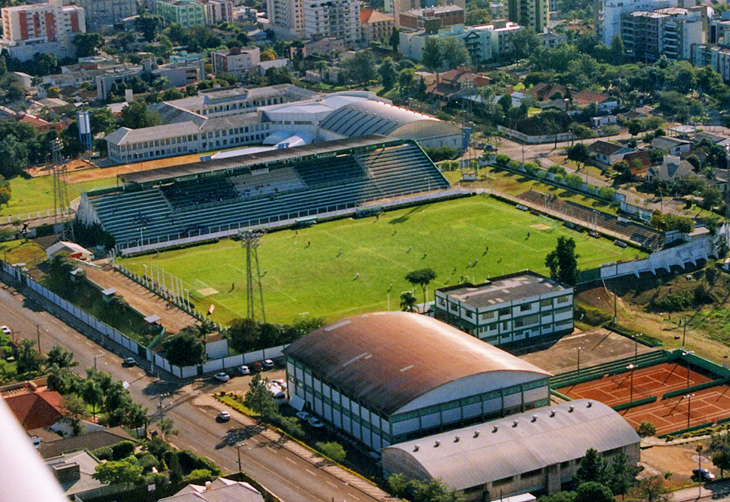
pixel 344 267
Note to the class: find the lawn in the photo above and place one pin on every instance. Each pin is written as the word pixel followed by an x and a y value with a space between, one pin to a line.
pixel 36 194
pixel 19 251
pixel 344 267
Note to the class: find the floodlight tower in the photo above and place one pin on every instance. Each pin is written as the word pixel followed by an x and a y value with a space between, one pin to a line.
pixel 62 210
pixel 251 240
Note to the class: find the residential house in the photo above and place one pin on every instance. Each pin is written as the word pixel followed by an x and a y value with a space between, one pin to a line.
pixel 715 139
pixel 220 490
pixel 605 154
pixel 53 447
pixel 674 146
pixel 456 83
pixel 606 104
pixel 672 169
pixel 38 123
pixel 639 162
pixel 35 408
pixel 74 473
pixel 237 61
pixel 442 15
pixel 545 92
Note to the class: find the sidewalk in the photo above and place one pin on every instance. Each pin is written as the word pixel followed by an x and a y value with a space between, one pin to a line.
pixel 305 453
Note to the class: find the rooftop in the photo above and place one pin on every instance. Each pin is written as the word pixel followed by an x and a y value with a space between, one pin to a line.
pixel 388 359
pixel 505 289
pixel 521 443
pixel 220 490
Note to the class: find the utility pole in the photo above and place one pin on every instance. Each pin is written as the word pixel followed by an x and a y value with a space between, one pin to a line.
pixel 251 240
pixel 38 334
pixel 684 332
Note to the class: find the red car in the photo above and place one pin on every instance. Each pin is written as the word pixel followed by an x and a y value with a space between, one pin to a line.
pixel 257 366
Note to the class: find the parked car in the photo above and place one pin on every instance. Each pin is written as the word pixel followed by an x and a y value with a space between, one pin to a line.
pixel 222 376
pixel 257 366
pixel 129 362
pixel 280 382
pixel 303 415
pixel 244 370
pixel 702 474
pixel 223 416
pixel 268 363
pixel 5 330
pixel 594 234
pixel 315 422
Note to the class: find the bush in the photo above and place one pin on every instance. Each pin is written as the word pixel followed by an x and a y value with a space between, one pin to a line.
pixel 332 450
pixel 531 168
pixel 502 159
pixel 673 302
pixel 606 193
pixel 122 450
pixel 104 453
pixel 148 461
pixel 645 429
pixel 556 169
pixel 591 315
pixel 290 425
pixel 513 164
pixel 157 447
pixel 199 476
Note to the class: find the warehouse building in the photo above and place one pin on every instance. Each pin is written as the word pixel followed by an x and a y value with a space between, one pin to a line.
pixel 537 451
pixel 506 309
pixel 388 377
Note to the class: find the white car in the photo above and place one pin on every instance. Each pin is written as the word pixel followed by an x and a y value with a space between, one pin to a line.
pixel 5 330
pixel 244 370
pixel 223 416
pixel 303 415
pixel 268 363
pixel 315 422
pixel 280 382
pixel 222 376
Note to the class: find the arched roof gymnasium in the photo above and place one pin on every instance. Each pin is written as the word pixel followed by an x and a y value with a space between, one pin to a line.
pixel 389 359
pixel 372 117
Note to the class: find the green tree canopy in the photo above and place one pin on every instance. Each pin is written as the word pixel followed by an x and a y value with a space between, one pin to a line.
pixel 592 491
pixel 258 397
pixel 136 116
pixel 592 468
pixel 333 450
pixel 87 44
pixel 119 471
pixel 563 262
pixel 60 357
pixel 454 53
pixel 185 348
pixel 421 277
pixel 432 56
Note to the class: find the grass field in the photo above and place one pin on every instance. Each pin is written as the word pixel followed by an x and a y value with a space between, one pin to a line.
pixel 36 194
pixel 302 277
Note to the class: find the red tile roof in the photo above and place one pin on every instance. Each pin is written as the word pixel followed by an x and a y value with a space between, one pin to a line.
pixel 584 98
pixel 37 409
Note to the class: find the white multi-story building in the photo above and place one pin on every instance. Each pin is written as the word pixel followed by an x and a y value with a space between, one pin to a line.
pixel 670 32
pixel 106 12
pixel 608 14
pixel 508 309
pixel 218 11
pixel 715 56
pixel 529 13
pixel 332 18
pixel 43 27
pixel 286 17
pixel 236 61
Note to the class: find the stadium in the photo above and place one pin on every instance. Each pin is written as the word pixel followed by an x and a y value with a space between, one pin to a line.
pixel 282 187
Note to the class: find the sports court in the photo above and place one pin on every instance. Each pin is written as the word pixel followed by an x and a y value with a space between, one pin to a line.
pixel 668 415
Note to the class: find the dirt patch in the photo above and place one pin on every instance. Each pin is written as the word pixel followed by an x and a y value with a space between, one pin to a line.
pixel 207 291
pixel 142 299
pixel 596 347
pixel 679 460
pixel 540 226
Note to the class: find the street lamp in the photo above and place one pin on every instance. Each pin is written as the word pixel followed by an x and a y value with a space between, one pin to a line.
pixel 631 368
pixel 238 450
pixel 160 408
pixel 684 331
pixel 579 349
pixel 685 354
pixel 689 397
pixel 95 358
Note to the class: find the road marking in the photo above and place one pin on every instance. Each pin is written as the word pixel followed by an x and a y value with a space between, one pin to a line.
pixel 290 460
pixel 194 449
pixel 310 472
pixel 331 484
pixel 270 448
pixel 351 495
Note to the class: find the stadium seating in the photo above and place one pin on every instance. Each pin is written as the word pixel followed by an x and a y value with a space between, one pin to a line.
pixel 314 185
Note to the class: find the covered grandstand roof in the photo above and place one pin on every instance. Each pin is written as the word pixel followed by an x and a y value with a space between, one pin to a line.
pixel 388 359
pixel 244 160
pixel 515 445
pixel 371 117
pixel 215 96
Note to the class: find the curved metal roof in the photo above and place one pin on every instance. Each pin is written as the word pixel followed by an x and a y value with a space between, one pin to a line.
pixel 513 445
pixel 387 359
pixel 370 117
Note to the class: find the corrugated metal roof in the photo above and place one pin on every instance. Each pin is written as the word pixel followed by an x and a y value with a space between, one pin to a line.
pixel 502 449
pixel 367 357
pixel 370 117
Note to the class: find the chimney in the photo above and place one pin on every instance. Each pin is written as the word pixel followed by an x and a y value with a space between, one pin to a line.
pixel 416 447
pixel 570 410
pixel 552 413
pixel 534 418
pixel 437 444
pixel 476 434
pixel 496 428
pixel 208 485
pixel 590 403
pixel 515 423
pixel 456 439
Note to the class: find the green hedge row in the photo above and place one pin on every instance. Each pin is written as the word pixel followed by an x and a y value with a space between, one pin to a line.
pixel 691 429
pixel 633 404
pixel 694 388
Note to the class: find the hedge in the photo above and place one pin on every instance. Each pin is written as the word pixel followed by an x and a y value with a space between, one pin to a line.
pixel 694 388
pixel 632 404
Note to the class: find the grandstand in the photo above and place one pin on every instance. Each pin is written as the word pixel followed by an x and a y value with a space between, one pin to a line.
pixel 187 203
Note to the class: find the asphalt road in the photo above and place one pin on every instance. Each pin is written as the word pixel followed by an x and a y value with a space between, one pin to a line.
pixel 285 474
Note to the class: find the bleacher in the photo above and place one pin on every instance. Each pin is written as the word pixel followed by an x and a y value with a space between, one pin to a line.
pixel 635 232
pixel 315 184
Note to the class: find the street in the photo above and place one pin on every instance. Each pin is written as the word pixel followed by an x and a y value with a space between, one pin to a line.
pixel 285 474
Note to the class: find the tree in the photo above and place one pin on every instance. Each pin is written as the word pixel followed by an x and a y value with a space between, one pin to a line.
pixel 243 335
pixel 617 50
pixel 361 67
pixel 563 262
pixel 407 301
pixel 645 429
pixel 593 492
pixel 652 489
pixel 5 191
pixel 87 44
pixel 28 359
pixel 332 450
pixel 564 496
pixel 394 40
pixel 93 394
pixel 454 52
pixel 592 468
pixel 75 406
pixel 185 348
pixel 136 116
pixel 432 57
pixel 259 399
pixel 505 102
pixel 60 357
pixel 14 155
pixel 167 427
pixel 525 43
pixel 635 126
pixel 118 472
pixel 578 153
pixel 422 278
pixel 387 73
pixel 148 25
pixel 621 474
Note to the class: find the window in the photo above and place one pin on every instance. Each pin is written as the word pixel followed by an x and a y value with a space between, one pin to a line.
pixel 506 311
pixel 468 314
pixel 562 299
pixel 546 303
pixel 488 315
pixel 531 474
pixel 524 307
pixel 503 481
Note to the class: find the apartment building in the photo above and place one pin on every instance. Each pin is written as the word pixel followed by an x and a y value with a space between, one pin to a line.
pixel 447 15
pixel 43 27
pixel 188 13
pixel 376 26
pixel 332 18
pixel 715 56
pixel 608 14
pixel 100 13
pixel 286 17
pixel 671 32
pixel 398 7
pixel 236 61
pixel 509 308
pixel 218 11
pixel 529 13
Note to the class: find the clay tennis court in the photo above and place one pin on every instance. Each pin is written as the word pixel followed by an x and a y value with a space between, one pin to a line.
pixel 668 415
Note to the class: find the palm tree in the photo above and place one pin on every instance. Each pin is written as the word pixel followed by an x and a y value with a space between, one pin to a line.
pixel 407 301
